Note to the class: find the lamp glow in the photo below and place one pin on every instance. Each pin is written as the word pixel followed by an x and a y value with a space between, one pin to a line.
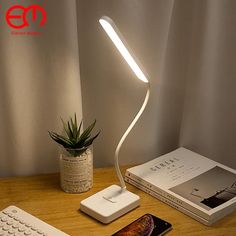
pixel 114 201
pixel 114 34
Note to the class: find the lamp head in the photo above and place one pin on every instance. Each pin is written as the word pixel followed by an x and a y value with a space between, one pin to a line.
pixel 116 37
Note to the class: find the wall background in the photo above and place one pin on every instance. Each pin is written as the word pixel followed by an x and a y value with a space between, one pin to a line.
pixel 186 47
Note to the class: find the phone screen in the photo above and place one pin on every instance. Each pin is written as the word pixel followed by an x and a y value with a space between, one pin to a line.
pixel 146 225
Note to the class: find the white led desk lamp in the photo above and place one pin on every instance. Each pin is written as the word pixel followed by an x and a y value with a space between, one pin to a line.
pixel 114 201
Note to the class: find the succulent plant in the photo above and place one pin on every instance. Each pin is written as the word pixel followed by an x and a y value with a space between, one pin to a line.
pixel 74 141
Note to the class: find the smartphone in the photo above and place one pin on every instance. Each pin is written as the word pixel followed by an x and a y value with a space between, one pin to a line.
pixel 146 225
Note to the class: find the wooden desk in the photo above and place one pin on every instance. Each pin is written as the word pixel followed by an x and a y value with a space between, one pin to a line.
pixel 41 196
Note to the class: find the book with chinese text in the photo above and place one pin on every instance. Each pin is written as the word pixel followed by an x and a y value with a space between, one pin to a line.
pixel 195 184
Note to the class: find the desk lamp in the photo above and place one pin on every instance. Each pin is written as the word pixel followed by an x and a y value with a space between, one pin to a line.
pixel 114 201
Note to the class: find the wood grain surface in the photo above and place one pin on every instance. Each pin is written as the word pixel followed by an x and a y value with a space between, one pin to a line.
pixel 42 197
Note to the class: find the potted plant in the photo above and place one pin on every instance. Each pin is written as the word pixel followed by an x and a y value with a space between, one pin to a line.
pixel 76 158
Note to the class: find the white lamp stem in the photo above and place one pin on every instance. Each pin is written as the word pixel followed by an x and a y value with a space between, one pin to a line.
pixel 116 158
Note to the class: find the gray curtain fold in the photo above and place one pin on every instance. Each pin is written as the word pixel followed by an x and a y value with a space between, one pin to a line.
pixel 209 117
pixel 39 83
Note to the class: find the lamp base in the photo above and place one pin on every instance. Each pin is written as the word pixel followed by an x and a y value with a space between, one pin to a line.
pixel 110 203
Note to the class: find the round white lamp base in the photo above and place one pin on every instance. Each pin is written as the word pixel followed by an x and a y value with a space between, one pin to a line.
pixel 110 203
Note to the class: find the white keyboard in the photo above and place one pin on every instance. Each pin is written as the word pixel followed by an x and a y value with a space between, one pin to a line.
pixel 16 222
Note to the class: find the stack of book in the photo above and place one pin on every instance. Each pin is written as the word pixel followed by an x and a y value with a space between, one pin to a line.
pixel 193 184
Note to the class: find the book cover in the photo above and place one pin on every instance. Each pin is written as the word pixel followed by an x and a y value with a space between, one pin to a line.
pixel 196 183
pixel 167 201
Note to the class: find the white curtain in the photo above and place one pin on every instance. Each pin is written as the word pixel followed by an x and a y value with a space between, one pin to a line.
pixel 188 50
pixel 209 115
pixel 39 83
pixel 186 47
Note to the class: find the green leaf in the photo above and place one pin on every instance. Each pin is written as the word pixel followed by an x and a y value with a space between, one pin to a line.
pixel 75 122
pixel 65 128
pixel 70 130
pixel 74 137
pixel 74 129
pixel 87 131
pixel 90 141
pixel 82 140
pixel 60 139
pixel 78 133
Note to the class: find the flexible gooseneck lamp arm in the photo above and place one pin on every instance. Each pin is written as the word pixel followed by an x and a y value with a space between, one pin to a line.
pixel 116 158
pixel 120 43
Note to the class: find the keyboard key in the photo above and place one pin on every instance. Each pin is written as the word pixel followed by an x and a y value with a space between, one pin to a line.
pixel 11 215
pixel 28 232
pixel 22 222
pixel 11 231
pixel 4 219
pixel 34 228
pixel 40 232
pixel 16 222
pixel 28 225
pixel 22 229
pixel 10 222
pixel 16 225
pixel 6 228
pixel 16 218
pixel 17 234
